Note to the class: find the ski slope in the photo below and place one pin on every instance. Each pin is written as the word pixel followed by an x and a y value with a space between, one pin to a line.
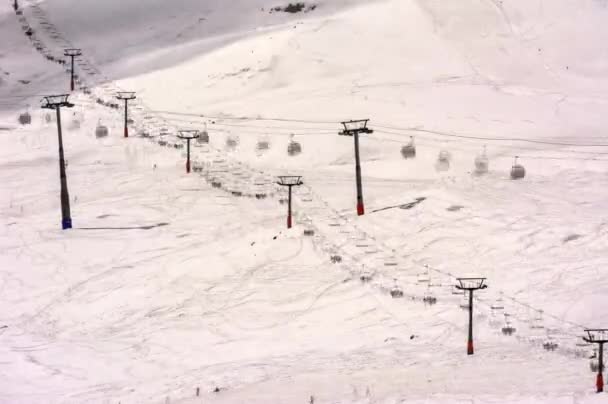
pixel 167 284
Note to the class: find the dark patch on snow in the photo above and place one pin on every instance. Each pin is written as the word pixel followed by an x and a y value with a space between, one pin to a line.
pixel 455 208
pixel 294 8
pixel 103 216
pixel 406 206
pixel 571 237
pixel 412 204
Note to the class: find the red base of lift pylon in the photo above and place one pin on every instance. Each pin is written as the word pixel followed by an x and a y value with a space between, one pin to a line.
pixel 470 350
pixel 360 209
pixel 600 383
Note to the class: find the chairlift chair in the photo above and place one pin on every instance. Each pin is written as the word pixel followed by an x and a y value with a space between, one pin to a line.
pixel 335 259
pixel 444 156
pixel 408 151
pixel 25 118
pixel 594 364
pixel 443 161
pixel 101 131
pixel 203 137
pixel 262 145
pixel 366 277
pixel 550 345
pixel 231 142
pixel 482 163
pixel 429 299
pixel 517 171
pixel 294 148
pixel 74 123
pixel 508 329
pixel 396 292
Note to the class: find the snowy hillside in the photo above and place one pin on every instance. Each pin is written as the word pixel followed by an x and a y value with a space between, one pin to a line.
pixel 171 282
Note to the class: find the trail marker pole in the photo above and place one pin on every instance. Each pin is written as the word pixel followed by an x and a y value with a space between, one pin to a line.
pixel 598 336
pixel 56 102
pixel 471 285
pixel 188 135
pixel 126 96
pixel 354 128
pixel 289 181
pixel 72 53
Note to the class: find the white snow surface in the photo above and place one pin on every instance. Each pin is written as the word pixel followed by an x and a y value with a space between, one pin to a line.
pixel 167 284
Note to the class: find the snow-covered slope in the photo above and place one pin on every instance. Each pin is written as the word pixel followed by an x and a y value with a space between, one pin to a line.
pixel 167 284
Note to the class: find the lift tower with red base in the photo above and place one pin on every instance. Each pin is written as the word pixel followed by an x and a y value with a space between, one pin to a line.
pixel 126 96
pixel 354 128
pixel 471 285
pixel 289 181
pixel 188 136
pixel 598 336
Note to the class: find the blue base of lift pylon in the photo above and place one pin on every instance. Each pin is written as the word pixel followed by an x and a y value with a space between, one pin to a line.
pixel 66 224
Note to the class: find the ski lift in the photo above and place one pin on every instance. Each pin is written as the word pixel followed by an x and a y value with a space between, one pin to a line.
pixel 391 262
pixel 464 303
pixel 594 363
pixel 366 277
pixel 48 118
pixel 508 329
pixel 396 292
pixel 335 259
pixel 408 151
pixel 260 195
pixel 550 345
pixel 517 171
pixel 308 228
pixel 423 278
pixel 443 161
pixel 482 163
pixel 429 299
pixel 537 322
pixel 25 118
pixel 293 148
pixel 216 184
pixel 75 122
pixel 197 167
pixel 232 142
pixel 203 137
pixel 262 146
pixel 101 131
pixel 143 133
